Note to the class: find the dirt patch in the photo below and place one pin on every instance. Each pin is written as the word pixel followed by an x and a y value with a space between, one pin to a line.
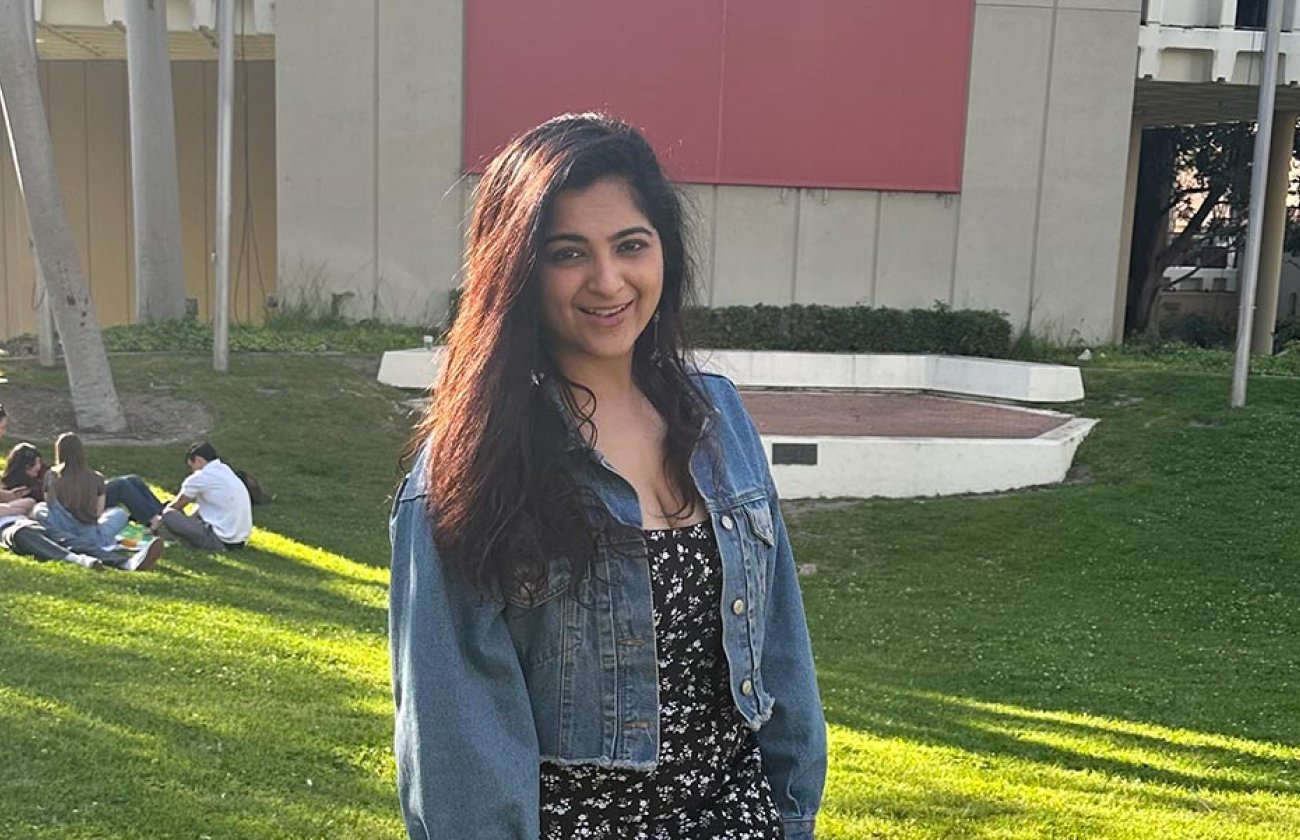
pixel 42 414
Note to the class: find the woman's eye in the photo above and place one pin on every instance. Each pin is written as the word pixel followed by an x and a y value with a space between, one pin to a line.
pixel 565 255
pixel 632 245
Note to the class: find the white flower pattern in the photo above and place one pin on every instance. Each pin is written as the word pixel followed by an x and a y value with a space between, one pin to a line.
pixel 709 782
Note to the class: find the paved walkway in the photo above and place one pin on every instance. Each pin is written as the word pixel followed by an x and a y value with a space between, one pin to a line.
pixel 890 415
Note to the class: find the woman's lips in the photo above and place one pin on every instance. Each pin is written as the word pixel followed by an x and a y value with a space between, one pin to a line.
pixel 605 312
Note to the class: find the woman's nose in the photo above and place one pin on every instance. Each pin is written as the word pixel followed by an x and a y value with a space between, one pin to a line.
pixel 605 276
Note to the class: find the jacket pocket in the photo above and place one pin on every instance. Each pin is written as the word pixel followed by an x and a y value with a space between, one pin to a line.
pixel 761 551
pixel 760 521
pixel 538 616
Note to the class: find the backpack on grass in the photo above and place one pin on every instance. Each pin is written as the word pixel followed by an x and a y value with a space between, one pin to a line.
pixel 256 493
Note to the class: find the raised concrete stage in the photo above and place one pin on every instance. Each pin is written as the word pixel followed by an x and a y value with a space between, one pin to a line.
pixel 900 445
pixel 856 426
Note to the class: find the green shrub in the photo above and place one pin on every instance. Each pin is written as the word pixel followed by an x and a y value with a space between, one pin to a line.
pixel 281 334
pixel 1198 330
pixel 850 329
pixel 1286 335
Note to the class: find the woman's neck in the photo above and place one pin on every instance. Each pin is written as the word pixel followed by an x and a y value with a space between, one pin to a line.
pixel 610 380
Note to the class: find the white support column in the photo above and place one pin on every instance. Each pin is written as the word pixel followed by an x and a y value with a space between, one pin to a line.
pixel 225 140
pixel 1270 249
pixel 1126 228
pixel 1155 12
pixel 155 190
pixel 1227 14
pixel 264 16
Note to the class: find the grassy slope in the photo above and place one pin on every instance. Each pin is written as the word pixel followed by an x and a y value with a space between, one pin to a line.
pixel 237 696
pixel 1116 658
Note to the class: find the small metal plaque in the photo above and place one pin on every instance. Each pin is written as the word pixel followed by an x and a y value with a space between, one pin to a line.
pixel 795 453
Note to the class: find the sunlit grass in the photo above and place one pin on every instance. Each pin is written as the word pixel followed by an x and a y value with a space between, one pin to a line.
pixel 236 695
pixel 1112 658
pixel 1115 658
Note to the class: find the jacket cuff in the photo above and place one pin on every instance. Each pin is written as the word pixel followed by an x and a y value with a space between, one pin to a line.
pixel 799 828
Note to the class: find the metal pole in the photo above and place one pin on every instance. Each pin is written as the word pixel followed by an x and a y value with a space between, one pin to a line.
pixel 225 141
pixel 1258 190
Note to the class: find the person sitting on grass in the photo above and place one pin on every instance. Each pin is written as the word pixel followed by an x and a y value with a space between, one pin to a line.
pixel 74 508
pixel 25 470
pixel 224 518
pixel 134 493
pixel 30 538
pixel 13 500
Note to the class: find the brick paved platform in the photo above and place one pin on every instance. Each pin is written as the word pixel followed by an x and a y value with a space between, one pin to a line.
pixel 829 413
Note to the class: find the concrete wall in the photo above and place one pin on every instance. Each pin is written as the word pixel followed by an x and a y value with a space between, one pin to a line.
pixel 1046 160
pixel 371 207
pixel 369 126
pixel 86 104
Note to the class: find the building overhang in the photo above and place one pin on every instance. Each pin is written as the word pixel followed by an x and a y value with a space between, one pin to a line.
pixel 89 30
pixel 1184 103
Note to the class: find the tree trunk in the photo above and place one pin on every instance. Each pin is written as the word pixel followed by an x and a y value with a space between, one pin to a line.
pixel 94 398
pixel 155 190
pixel 1150 223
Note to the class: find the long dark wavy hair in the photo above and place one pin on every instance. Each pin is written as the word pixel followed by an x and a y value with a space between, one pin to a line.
pixel 20 460
pixel 504 495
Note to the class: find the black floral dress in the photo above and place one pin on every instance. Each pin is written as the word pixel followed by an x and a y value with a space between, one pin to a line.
pixel 709 780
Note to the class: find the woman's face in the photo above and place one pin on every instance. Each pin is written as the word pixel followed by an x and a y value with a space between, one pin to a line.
pixel 34 468
pixel 601 272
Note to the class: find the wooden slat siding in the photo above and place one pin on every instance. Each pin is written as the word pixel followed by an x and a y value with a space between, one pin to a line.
pixel 191 155
pixel 88 111
pixel 256 272
pixel 107 132
pixel 208 97
pixel 67 106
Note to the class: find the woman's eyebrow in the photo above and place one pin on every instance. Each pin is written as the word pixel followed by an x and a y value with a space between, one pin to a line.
pixel 582 240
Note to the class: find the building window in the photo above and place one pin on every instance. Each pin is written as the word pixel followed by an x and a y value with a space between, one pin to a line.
pixel 1252 14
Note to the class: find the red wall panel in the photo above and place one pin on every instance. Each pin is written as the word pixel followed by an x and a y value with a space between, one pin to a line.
pixel 822 93
pixel 656 65
pixel 846 94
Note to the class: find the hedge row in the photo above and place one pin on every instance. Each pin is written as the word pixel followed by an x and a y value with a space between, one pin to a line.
pixel 850 329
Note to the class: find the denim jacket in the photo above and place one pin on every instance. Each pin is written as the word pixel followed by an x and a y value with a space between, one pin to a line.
pixel 486 690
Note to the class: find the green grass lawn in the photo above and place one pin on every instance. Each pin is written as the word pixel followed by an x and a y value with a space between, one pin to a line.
pixel 1119 657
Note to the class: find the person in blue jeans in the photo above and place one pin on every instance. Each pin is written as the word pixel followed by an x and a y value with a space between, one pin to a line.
pixel 75 506
pixel 131 492
pixel 595 622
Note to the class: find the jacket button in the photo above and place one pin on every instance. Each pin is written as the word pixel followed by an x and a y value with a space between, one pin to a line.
pixel 738 606
pixel 746 688
pixel 727 524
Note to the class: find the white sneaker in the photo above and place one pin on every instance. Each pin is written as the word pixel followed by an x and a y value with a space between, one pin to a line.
pixel 144 559
pixel 85 561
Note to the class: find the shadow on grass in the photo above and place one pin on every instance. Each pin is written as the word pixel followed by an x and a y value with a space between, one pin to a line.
pixel 238 694
pixel 1121 750
pixel 173 725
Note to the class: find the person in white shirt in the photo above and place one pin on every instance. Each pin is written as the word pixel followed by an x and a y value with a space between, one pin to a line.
pixel 224 518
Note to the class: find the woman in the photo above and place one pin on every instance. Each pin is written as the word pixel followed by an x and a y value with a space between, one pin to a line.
pixel 596 626
pixel 74 506
pixel 25 470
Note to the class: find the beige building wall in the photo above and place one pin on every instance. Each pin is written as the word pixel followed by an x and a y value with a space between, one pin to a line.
pixel 372 203
pixel 86 104
pixel 369 126
pixel 1047 143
